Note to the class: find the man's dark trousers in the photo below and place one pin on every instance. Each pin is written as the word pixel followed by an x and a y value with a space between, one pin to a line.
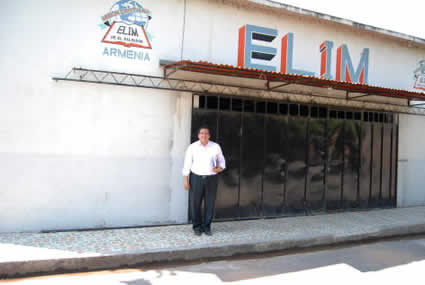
pixel 202 187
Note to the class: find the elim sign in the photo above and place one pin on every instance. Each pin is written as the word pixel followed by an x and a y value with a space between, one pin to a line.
pixel 249 50
pixel 126 36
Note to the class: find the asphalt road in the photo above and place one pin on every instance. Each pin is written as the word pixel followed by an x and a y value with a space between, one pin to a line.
pixel 390 261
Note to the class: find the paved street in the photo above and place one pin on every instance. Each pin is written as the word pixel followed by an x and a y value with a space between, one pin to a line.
pixel 389 261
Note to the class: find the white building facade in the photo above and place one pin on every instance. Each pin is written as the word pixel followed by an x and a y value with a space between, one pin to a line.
pixel 76 155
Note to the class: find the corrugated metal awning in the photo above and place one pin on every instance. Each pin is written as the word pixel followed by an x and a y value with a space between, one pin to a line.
pixel 269 76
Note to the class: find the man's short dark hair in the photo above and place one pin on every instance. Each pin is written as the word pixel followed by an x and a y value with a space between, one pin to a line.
pixel 204 127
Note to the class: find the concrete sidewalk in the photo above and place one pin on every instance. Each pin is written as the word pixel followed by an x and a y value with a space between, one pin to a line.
pixel 32 253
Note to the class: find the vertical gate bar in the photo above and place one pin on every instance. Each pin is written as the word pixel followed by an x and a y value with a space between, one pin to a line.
pixel 316 163
pixel 285 196
pixel 359 173
pixel 272 176
pixel 306 169
pixel 382 166
pixel 371 162
pixel 240 155
pixel 227 195
pixel 264 160
pixel 285 205
pixel 363 203
pixel 218 138
pixel 391 162
pixel 377 162
pixel 396 161
pixel 341 194
pixel 359 133
pixel 387 165
pixel 370 165
pixel 296 166
pixel 326 159
pixel 251 167
pixel 350 175
pixel 240 161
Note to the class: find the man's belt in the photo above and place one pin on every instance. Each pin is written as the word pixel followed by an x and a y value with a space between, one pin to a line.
pixel 202 176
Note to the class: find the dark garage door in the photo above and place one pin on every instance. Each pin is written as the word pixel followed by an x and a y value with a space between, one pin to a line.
pixel 287 159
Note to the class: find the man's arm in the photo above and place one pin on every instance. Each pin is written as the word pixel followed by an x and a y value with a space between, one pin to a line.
pixel 186 184
pixel 221 162
pixel 188 159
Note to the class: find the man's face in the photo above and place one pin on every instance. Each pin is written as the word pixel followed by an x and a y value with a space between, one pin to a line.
pixel 204 136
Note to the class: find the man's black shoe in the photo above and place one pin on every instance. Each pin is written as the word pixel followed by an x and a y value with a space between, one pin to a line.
pixel 197 232
pixel 208 232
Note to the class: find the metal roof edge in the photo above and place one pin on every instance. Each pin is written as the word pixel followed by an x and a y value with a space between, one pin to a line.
pixel 305 12
pixel 226 69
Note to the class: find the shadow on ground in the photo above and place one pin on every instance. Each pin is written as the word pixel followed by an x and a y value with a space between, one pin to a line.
pixel 368 257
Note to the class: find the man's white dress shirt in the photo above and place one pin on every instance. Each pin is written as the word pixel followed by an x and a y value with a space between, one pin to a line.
pixel 201 159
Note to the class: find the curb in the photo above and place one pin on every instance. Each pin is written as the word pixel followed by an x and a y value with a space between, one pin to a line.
pixel 114 261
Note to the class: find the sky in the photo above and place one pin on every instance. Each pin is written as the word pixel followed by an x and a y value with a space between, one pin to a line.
pixel 407 16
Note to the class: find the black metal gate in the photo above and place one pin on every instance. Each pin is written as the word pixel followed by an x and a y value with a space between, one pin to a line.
pixel 287 159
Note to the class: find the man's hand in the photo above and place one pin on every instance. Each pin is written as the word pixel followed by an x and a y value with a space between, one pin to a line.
pixel 186 184
pixel 217 169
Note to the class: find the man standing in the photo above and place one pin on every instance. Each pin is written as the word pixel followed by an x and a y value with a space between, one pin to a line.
pixel 203 160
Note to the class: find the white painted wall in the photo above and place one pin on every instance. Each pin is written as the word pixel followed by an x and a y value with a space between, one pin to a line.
pixel 213 37
pixel 76 155
pixel 411 161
